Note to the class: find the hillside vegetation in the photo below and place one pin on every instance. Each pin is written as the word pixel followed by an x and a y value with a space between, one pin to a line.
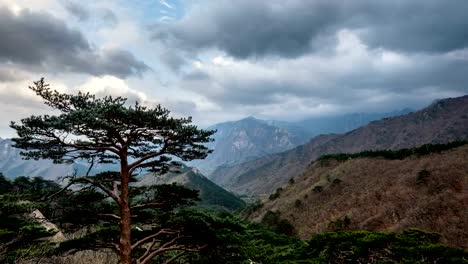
pixel 212 196
pixel 25 240
pixel 395 154
pixel 378 194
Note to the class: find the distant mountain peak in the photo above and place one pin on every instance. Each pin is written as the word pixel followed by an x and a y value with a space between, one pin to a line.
pixel 196 171
pixel 251 119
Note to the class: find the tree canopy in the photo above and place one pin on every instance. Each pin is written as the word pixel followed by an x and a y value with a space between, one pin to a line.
pixel 107 130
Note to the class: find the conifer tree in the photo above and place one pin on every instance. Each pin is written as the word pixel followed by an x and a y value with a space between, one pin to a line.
pixel 107 130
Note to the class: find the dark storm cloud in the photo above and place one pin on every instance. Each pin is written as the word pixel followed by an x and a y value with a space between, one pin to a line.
pixel 247 28
pixel 290 28
pixel 415 26
pixel 118 62
pixel 39 41
pixel 441 73
pixel 295 56
pixel 31 38
pixel 77 10
pixel 172 58
pixel 363 80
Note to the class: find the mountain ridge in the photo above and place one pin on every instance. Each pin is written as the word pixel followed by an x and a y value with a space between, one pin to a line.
pixel 442 121
pixel 251 138
pixel 247 139
pixel 211 195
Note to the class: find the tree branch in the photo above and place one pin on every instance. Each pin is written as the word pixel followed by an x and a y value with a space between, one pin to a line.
pixel 138 163
pixel 148 250
pixel 166 247
pixel 175 257
pixel 90 166
pixel 111 215
pixel 148 238
pixel 99 148
pixel 111 194
pixel 169 246
pixel 147 205
pixel 58 192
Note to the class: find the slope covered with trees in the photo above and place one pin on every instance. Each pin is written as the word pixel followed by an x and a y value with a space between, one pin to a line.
pixel 211 195
pixel 232 240
pixel 20 234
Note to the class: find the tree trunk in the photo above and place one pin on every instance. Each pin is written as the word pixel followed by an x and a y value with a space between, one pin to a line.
pixel 125 243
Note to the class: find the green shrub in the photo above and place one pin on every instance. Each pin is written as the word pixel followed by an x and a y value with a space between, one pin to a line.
pixel 251 208
pixel 276 194
pixel 422 176
pixel 284 227
pixel 274 221
pixel 336 181
pixel 298 203
pixel 412 246
pixel 339 224
pixel 394 154
pixel 317 189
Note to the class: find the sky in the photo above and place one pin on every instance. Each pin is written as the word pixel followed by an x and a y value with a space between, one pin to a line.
pixel 224 60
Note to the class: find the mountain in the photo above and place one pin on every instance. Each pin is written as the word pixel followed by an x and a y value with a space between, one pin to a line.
pixel 377 194
pixel 247 139
pixel 12 164
pixel 211 194
pixel 235 142
pixel 251 138
pixel 443 121
pixel 344 123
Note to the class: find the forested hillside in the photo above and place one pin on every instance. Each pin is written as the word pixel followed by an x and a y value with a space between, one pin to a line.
pixel 83 222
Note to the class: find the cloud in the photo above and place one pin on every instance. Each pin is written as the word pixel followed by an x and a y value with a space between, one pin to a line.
pixel 223 60
pixel 109 17
pixel 166 4
pixel 17 101
pixel 77 10
pixel 292 58
pixel 291 28
pixel 39 42
pixel 351 77
pixel 110 85
pixel 9 74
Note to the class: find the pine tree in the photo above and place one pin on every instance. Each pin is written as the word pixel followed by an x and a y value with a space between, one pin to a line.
pixel 106 130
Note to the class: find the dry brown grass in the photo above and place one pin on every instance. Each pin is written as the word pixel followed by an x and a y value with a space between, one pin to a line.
pixel 384 195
